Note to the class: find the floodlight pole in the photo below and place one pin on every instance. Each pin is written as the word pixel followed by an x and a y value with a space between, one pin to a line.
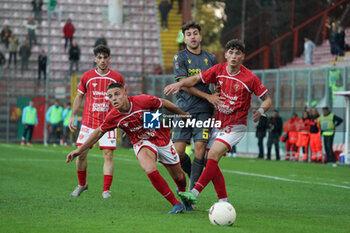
pixel 244 3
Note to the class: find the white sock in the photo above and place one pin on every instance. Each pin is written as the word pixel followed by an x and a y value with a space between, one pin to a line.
pixel 195 192
pixel 223 199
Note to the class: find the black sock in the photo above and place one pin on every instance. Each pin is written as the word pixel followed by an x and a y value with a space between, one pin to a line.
pixel 186 164
pixel 197 168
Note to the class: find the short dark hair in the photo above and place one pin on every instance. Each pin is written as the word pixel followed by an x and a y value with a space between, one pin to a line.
pixel 190 25
pixel 114 85
pixel 235 44
pixel 102 49
pixel 325 108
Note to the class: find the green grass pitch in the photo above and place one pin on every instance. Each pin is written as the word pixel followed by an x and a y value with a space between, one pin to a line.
pixel 269 196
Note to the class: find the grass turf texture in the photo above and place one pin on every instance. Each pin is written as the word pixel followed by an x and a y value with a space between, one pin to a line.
pixel 35 184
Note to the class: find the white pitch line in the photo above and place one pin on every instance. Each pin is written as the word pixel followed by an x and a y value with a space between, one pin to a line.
pixel 285 179
pixel 226 171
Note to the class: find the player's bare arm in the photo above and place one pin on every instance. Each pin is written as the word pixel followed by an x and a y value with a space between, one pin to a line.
pixel 264 107
pixel 76 105
pixel 188 82
pixel 173 108
pixel 94 137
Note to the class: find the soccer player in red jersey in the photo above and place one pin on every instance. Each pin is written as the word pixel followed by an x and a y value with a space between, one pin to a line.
pixel 237 84
pixel 94 85
pixel 149 143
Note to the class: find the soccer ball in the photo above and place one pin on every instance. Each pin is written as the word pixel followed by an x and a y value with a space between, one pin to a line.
pixel 222 214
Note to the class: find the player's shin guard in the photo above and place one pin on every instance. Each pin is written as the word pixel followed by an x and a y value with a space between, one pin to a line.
pixel 82 177
pixel 186 164
pixel 181 184
pixel 219 185
pixel 208 174
pixel 107 182
pixel 162 187
pixel 196 171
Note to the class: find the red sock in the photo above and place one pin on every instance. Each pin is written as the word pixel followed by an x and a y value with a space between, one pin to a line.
pixel 219 184
pixel 82 177
pixel 107 182
pixel 181 184
pixel 208 174
pixel 161 185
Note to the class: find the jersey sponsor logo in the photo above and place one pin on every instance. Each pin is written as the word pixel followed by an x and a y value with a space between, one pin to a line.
pixel 225 109
pixel 85 130
pixel 100 107
pixel 193 72
pixel 151 120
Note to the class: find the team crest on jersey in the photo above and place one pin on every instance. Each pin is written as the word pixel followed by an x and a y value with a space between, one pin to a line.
pixel 189 61
pixel 94 84
pixel 237 87
pixel 206 61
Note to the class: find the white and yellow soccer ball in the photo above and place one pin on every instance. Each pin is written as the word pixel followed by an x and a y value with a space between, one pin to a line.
pixel 222 214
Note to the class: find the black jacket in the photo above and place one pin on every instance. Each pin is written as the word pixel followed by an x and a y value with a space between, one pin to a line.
pixel 275 125
pixel 261 127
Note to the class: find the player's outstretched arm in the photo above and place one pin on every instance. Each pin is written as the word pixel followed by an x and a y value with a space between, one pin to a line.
pixel 76 105
pixel 186 82
pixel 173 108
pixel 94 137
pixel 264 107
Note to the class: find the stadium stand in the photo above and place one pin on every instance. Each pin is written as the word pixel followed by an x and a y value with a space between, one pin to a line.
pixel 322 56
pixel 90 20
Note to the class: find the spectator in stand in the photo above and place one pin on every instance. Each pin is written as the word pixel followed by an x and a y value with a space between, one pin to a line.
pixel 341 41
pixel 74 57
pixel 164 8
pixel 37 4
pixel 29 120
pixel 260 134
pixel 333 40
pixel 315 137
pixel 31 27
pixel 24 53
pixel 68 33
pixel 309 48
pixel 5 35
pixel 13 49
pixel 275 131
pixel 303 136
pixel 328 122
pixel 54 117
pixel 101 40
pixel 52 8
pixel 2 62
pixel 179 5
pixel 42 59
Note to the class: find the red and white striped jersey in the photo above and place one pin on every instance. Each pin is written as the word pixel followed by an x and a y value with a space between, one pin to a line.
pixel 94 86
pixel 132 122
pixel 237 89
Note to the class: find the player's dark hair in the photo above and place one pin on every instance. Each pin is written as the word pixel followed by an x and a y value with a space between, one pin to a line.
pixel 102 49
pixel 114 85
pixel 235 44
pixel 190 25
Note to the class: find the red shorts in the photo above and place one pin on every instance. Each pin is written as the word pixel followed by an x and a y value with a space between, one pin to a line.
pixel 292 137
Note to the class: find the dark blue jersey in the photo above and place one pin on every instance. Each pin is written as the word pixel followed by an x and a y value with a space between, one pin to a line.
pixel 187 64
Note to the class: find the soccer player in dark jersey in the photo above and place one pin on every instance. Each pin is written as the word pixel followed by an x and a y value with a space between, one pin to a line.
pixel 186 63
pixel 151 144
pixel 237 83
pixel 93 86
